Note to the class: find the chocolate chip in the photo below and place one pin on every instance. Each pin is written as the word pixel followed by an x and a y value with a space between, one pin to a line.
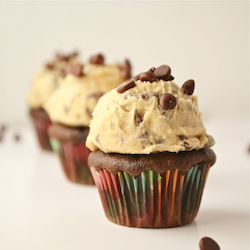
pixel 188 87
pixel 207 243
pixel 126 69
pixel 171 78
pixel 187 146
pixel 148 76
pixel 62 57
pixel 3 128
pixel 182 137
pixel 152 69
pixel 136 78
pixel 97 59
pixel 159 141
pixel 144 135
pixel 49 66
pixel 148 96
pixel 167 101
pixel 163 72
pixel 88 112
pixel 17 137
pixel 138 118
pixel 96 95
pixel 125 86
pixel 74 69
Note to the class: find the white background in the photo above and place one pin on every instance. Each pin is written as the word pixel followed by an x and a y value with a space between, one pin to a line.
pixel 205 41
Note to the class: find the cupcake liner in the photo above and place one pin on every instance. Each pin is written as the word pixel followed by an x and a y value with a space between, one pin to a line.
pixel 152 200
pixel 41 127
pixel 73 158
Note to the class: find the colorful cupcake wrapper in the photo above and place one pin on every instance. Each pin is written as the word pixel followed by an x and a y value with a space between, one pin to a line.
pixel 152 200
pixel 73 158
pixel 41 127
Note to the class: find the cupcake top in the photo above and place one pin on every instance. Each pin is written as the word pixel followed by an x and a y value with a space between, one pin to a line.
pixel 48 78
pixel 73 102
pixel 148 113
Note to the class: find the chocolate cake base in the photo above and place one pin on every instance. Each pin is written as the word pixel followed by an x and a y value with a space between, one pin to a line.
pixel 160 194
pixel 41 123
pixel 69 144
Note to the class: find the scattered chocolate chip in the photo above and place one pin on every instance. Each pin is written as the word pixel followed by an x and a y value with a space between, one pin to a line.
pixel 17 137
pixel 167 101
pixel 163 72
pixel 207 243
pixel 49 66
pixel 148 96
pixel 96 95
pixel 148 76
pixel 126 69
pixel 138 118
pixel 97 59
pixel 182 137
pixel 74 69
pixel 3 128
pixel 188 87
pixel 144 135
pixel 125 86
pixel 187 146
pixel 159 141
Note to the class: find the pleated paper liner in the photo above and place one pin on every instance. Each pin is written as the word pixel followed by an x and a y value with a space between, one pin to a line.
pixel 41 127
pixel 152 200
pixel 73 158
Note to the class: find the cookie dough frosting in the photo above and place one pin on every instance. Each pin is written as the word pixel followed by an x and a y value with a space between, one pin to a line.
pixel 147 114
pixel 73 102
pixel 47 79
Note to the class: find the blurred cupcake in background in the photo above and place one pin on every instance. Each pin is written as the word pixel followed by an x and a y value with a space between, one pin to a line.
pixel 151 153
pixel 45 81
pixel 70 109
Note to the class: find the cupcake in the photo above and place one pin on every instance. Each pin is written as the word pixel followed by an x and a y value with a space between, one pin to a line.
pixel 70 108
pixel 44 83
pixel 151 153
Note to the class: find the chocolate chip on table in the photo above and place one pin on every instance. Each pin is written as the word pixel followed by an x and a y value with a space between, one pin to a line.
pixel 207 243
pixel 17 137
pixel 97 59
pixel 167 101
pixel 125 86
pixel 138 118
pixel 148 76
pixel 163 72
pixel 188 87
pixel 74 69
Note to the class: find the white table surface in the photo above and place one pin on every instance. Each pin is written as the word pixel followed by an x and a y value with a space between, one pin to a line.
pixel 40 209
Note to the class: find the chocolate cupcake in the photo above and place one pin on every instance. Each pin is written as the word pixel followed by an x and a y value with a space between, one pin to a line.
pixel 70 108
pixel 151 153
pixel 44 83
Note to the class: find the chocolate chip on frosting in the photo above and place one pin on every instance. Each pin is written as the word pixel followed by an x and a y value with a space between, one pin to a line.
pixel 163 72
pixel 148 76
pixel 97 59
pixel 49 66
pixel 74 69
pixel 125 86
pixel 126 69
pixel 138 118
pixel 171 78
pixel 167 101
pixel 207 243
pixel 188 87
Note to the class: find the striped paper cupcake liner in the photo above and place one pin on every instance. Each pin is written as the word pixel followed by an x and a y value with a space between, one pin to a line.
pixel 41 127
pixel 152 200
pixel 73 158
